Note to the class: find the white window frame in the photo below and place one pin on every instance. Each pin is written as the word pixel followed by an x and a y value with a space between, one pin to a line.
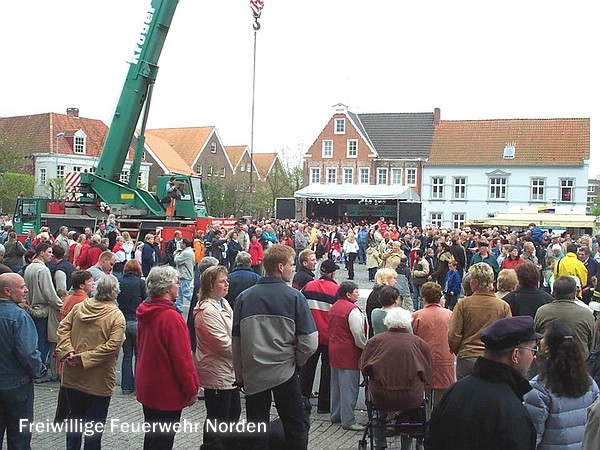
pixel 437 188
pixel 209 171
pixel 315 175
pixel 348 177
pixel 396 176
pixel 382 180
pixel 43 176
pixel 330 171
pixel 199 169
pixel 411 172
pixel 248 167
pixel 213 147
pixel 79 143
pixel 497 188
pixel 361 172
pixel 538 189
pixel 223 172
pixel 327 144
pixel 458 220
pixel 339 126
pixel 243 167
pixel 436 218
pixel 566 183
pixel 77 169
pixel 61 170
pixel 459 191
pixel 352 148
pixel 124 176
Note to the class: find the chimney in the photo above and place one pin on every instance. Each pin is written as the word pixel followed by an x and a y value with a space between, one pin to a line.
pixel 436 117
pixel 73 112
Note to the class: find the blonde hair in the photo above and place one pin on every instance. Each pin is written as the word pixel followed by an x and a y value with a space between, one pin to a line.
pixel 483 274
pixel 507 280
pixel 385 274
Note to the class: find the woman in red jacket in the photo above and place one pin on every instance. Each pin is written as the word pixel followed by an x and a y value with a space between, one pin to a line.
pixel 256 253
pixel 165 376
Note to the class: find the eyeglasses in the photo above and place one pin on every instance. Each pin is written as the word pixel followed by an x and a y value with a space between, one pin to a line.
pixel 535 350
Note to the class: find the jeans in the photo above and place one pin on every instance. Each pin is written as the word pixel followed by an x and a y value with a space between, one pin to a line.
pixel 417 298
pixel 362 253
pixel 185 292
pixel 288 401
pixel 158 440
pixel 221 406
pixel 90 409
pixel 41 325
pixel 129 351
pixel 16 404
pixel 307 377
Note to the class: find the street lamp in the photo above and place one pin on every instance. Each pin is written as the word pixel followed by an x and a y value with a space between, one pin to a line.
pixel 62 133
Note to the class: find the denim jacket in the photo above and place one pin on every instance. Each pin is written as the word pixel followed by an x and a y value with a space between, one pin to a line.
pixel 20 361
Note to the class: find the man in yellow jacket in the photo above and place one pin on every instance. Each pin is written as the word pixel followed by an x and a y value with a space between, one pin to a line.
pixel 570 265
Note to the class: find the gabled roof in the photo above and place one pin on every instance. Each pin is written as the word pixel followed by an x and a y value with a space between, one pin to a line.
pixel 187 142
pixel 37 133
pixel 235 154
pixel 166 157
pixel 399 135
pixel 536 141
pixel 263 163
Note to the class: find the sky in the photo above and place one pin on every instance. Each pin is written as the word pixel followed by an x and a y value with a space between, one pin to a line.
pixel 474 60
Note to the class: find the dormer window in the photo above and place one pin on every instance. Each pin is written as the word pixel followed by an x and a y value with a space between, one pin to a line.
pixel 79 142
pixel 509 151
pixel 213 147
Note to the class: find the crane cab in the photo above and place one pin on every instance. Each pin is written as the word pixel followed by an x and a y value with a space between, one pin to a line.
pixel 192 202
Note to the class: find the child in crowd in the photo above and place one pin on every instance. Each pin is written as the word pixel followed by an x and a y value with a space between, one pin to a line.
pixel 452 285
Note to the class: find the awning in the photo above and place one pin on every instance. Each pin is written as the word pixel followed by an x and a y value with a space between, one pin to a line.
pixel 358 192
pixel 541 220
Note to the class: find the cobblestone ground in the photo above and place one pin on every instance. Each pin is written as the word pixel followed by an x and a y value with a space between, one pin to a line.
pixel 125 408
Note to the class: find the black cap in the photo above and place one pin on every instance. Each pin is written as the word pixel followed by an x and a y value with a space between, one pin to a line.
pixel 509 332
pixel 328 266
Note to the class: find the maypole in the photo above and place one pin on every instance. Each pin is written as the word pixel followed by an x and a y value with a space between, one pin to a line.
pixel 256 6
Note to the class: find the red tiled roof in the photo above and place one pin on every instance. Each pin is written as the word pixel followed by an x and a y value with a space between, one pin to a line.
pixel 235 152
pixel 263 163
pixel 187 142
pixel 169 157
pixel 536 141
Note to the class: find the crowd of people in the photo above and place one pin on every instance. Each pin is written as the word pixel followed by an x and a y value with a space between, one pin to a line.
pixel 486 328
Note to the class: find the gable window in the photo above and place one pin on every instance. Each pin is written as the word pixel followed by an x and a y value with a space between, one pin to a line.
pixel 435 218
pixel 248 167
pixel 396 176
pixel 566 190
pixel 460 188
pixel 327 149
pixel 331 175
pixel 124 177
pixel 315 175
pixel 79 144
pixel 348 176
pixel 340 126
pixel 213 147
pixel 352 148
pixel 537 189
pixel 60 171
pixel 222 172
pixel 458 220
pixel 364 175
pixel 144 154
pixel 382 174
pixel 42 176
pixel 243 167
pixel 497 188
pixel 437 188
pixel 209 171
pixel 411 177
pixel 199 169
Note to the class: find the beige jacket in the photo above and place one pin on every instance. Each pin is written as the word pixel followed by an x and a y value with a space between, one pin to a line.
pixel 38 280
pixel 95 330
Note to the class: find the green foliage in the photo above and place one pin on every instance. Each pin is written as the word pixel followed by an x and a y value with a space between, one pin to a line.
pixel 55 189
pixel 595 209
pixel 11 185
pixel 13 157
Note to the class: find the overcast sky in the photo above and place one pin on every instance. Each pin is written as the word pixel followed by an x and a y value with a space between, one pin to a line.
pixel 472 59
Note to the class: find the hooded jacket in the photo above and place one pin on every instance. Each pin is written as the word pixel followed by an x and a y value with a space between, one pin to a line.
pixel 95 330
pixel 165 376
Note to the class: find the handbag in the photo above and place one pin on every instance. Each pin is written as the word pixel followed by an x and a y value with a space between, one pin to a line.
pixel 39 311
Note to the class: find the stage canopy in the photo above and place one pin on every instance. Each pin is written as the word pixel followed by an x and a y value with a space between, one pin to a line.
pixel 357 192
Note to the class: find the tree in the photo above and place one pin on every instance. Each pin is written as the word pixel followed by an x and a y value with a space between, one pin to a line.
pixel 55 189
pixel 13 157
pixel 595 208
pixel 11 185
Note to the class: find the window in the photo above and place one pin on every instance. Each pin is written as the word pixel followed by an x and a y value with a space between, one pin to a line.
pixel 411 177
pixel 139 180
pixel 331 175
pixel 315 175
pixel 209 171
pixel 222 172
pixel 497 188
pixel 340 126
pixel 248 167
pixel 79 144
pixel 42 176
pixel 437 188
pixel 243 167
pixel 537 188
pixel 435 218
pixel 566 190
pixel 60 171
pixel 458 220
pixel 460 188
pixel 352 148
pixel 143 154
pixel 124 177
pixel 199 169
pixel 76 168
pixel 327 149
pixel 382 175
pixel 509 152
pixel 591 189
pixel 213 147
pixel 348 176
pixel 396 176
pixel 364 175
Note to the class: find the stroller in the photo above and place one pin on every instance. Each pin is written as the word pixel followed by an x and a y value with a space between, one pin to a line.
pixel 397 432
